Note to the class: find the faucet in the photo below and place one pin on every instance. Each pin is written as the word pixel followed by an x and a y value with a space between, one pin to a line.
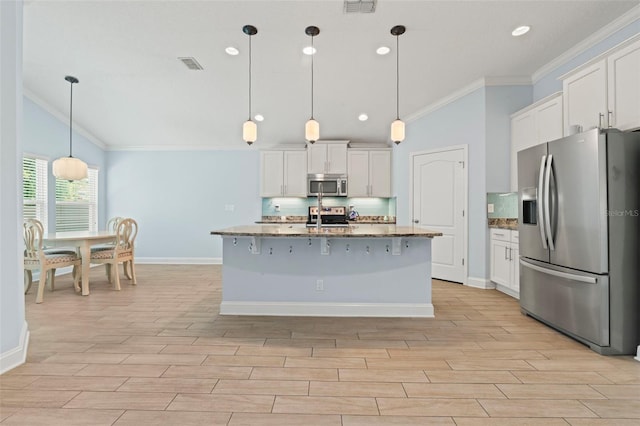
pixel 319 220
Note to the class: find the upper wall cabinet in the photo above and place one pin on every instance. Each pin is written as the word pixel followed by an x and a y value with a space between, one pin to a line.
pixel 283 173
pixel 605 92
pixel 369 173
pixel 328 157
pixel 537 123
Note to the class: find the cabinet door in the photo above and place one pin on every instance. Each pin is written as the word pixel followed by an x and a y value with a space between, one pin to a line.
pixel 317 158
pixel 523 135
pixel 336 158
pixel 380 173
pixel 624 87
pixel 358 172
pixel 585 98
pixel 271 173
pixel 549 120
pixel 515 268
pixel 500 263
pixel 295 173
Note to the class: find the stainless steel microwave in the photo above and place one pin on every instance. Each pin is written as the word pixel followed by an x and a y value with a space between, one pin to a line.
pixel 332 185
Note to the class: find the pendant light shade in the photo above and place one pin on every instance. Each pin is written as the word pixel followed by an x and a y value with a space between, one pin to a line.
pixel 70 168
pixel 312 127
pixel 249 128
pixel 397 127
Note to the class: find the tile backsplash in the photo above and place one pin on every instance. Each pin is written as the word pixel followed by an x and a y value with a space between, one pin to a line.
pixel 300 206
pixel 503 204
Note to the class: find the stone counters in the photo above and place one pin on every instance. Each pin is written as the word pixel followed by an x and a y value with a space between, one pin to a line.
pixel 352 231
pixel 503 223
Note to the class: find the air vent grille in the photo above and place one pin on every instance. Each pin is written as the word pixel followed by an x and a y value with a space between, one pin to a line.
pixel 191 63
pixel 360 6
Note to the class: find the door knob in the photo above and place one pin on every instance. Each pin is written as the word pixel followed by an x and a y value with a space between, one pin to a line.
pixel 416 221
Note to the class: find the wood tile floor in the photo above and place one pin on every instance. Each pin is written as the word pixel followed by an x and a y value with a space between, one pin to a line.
pixel 159 354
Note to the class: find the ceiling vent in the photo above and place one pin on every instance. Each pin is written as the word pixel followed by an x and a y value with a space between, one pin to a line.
pixel 360 6
pixel 191 63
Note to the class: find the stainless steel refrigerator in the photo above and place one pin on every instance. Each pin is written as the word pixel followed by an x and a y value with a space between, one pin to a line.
pixel 579 227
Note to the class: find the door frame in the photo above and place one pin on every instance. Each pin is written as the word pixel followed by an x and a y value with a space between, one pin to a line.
pixel 465 184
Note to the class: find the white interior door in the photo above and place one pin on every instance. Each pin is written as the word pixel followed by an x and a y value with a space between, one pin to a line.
pixel 439 199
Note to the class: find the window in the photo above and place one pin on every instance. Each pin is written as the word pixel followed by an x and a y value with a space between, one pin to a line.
pixel 77 203
pixel 34 189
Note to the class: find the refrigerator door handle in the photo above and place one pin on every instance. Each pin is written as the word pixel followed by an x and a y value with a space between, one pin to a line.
pixel 572 277
pixel 540 202
pixel 547 201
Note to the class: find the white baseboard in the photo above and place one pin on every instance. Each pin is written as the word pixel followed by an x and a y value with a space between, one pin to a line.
pixel 480 283
pixel 637 357
pixel 328 309
pixel 508 291
pixel 18 355
pixel 179 260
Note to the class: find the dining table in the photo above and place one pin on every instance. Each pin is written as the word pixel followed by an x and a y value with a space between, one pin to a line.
pixel 82 240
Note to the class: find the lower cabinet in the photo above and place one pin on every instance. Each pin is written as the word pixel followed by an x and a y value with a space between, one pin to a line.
pixel 505 265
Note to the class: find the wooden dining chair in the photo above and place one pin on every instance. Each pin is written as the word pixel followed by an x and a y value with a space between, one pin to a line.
pixel 36 257
pixel 123 252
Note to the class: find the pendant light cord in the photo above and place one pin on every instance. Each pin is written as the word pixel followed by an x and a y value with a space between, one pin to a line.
pixel 397 77
pixel 249 78
pixel 312 55
pixel 71 122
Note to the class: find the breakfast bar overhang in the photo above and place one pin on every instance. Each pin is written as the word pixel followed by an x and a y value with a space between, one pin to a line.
pixel 368 271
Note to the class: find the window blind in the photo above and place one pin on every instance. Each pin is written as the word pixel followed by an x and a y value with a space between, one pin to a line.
pixel 34 189
pixel 77 203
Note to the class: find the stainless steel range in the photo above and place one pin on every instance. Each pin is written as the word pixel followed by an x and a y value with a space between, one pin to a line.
pixel 329 216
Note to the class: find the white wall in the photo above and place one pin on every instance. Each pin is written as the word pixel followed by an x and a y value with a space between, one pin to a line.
pixel 178 198
pixel 13 330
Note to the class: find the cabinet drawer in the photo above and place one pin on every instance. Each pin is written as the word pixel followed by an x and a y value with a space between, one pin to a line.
pixel 514 237
pixel 500 235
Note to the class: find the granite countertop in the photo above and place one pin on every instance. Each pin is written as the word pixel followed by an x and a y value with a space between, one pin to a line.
pixel 303 219
pixel 504 223
pixel 353 231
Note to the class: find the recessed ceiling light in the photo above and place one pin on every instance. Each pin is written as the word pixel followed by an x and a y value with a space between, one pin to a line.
pixel 259 117
pixel 383 50
pixel 363 117
pixel 309 50
pixel 232 51
pixel 523 29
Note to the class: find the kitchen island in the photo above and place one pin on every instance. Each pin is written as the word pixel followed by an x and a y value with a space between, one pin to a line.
pixel 358 270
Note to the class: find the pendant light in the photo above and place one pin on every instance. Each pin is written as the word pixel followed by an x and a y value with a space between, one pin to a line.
pixel 312 127
pixel 70 168
pixel 249 128
pixel 397 127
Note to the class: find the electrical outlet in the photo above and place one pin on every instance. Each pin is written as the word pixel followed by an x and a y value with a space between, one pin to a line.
pixel 320 285
pixel 277 207
pixel 489 208
pixel 229 207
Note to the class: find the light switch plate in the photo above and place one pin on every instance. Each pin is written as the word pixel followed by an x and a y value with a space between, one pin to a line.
pixel 489 208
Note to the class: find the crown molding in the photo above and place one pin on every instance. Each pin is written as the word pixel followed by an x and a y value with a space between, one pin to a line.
pixel 589 42
pixel 470 88
pixel 177 148
pixel 64 119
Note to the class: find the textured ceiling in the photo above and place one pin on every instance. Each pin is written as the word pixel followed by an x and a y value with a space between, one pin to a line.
pixel 134 92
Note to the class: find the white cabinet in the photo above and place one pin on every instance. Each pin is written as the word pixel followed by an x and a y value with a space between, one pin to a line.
pixel 605 92
pixel 537 123
pixel 327 157
pixel 585 96
pixel 623 73
pixel 504 257
pixel 283 173
pixel 369 173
